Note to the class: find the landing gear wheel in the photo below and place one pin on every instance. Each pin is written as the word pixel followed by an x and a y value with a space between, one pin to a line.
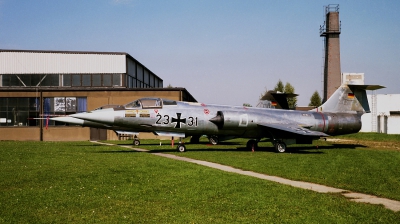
pixel 213 139
pixel 251 144
pixel 280 147
pixel 181 148
pixel 136 142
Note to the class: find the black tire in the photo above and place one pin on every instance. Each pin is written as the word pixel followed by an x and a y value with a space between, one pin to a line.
pixel 251 144
pixel 136 142
pixel 181 148
pixel 280 147
pixel 213 140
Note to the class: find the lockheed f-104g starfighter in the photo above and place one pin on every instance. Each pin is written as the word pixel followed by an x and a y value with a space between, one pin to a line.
pixel 340 114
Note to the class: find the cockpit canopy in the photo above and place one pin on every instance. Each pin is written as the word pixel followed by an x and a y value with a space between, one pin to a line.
pixel 149 103
pixel 108 106
pixel 143 103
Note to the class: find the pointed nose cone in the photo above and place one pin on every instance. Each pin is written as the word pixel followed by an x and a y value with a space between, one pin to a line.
pixel 70 120
pixel 99 117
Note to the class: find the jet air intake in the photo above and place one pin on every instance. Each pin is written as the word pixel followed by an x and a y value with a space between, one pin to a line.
pixel 218 120
pixel 230 120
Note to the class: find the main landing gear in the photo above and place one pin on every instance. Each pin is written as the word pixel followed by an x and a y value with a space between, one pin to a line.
pixel 213 139
pixel 280 146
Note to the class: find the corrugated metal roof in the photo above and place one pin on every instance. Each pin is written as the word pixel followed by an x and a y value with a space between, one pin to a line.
pixel 59 62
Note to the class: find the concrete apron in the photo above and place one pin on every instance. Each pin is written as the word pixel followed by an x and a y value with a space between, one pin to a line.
pixel 353 196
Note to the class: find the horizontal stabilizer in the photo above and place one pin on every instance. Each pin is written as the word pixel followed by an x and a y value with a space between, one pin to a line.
pixel 361 94
pixel 366 87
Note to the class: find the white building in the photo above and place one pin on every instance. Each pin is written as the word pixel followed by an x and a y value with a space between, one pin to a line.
pixel 384 116
pixel 385 108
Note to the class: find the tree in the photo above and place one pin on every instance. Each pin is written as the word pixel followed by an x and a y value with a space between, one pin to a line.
pixel 292 102
pixel 247 105
pixel 279 86
pixel 315 100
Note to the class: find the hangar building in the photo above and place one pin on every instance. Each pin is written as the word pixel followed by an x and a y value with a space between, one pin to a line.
pixel 36 84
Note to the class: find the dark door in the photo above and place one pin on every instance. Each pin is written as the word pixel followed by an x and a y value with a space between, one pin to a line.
pixel 98 134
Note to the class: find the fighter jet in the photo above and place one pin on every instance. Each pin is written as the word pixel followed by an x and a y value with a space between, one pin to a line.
pixel 340 114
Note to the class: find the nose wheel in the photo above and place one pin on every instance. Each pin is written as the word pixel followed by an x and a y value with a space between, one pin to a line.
pixel 181 148
pixel 136 141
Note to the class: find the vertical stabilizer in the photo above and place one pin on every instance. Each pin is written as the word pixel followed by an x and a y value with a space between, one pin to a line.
pixel 348 99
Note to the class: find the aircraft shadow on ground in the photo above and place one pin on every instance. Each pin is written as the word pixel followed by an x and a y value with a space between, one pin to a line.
pixel 211 148
pixel 297 149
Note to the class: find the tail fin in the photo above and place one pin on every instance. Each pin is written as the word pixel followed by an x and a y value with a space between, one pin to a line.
pixel 274 99
pixel 349 99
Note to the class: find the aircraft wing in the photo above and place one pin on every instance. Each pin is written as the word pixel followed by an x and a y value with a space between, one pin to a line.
pixel 171 134
pixel 292 129
pixel 122 132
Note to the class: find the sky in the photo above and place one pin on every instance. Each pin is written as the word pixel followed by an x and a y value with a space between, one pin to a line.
pixel 222 51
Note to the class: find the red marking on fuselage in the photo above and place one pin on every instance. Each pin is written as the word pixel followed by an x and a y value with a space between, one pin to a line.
pixel 323 118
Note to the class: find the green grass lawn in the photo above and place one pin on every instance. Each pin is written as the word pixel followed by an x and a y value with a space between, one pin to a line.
pixel 349 166
pixel 367 136
pixel 82 182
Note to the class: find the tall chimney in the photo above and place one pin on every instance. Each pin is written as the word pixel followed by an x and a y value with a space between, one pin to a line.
pixel 331 31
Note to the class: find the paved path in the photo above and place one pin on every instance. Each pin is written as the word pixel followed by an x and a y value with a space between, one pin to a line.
pixel 353 196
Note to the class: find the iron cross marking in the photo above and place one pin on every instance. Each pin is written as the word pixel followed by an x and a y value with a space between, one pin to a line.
pixel 178 120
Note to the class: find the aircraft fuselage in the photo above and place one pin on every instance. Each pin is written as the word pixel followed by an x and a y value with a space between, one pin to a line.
pixel 197 119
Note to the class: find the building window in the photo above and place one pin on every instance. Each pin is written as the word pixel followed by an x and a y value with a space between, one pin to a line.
pixel 49 80
pixel 29 80
pixel 139 74
pixel 146 78
pixel 106 80
pixel 62 106
pixel 116 79
pixel 66 80
pixel 86 80
pixel 96 80
pixel 76 80
pixel 19 111
pixel 152 80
